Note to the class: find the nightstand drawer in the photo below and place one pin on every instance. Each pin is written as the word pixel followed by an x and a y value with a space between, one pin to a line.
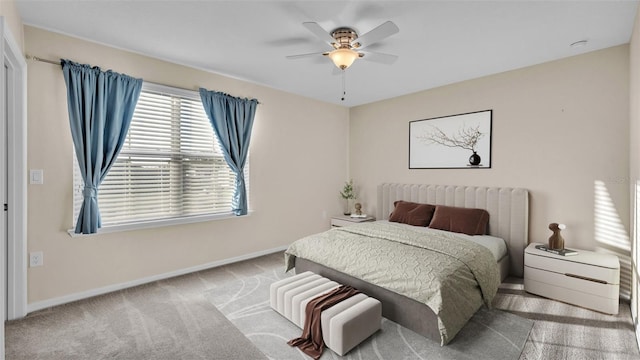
pixel 339 221
pixel 590 301
pixel 567 266
pixel 609 291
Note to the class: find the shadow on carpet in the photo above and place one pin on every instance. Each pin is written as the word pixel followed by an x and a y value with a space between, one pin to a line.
pixel 490 334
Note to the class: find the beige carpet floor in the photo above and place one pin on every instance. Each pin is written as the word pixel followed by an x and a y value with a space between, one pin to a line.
pixel 172 319
pixel 169 319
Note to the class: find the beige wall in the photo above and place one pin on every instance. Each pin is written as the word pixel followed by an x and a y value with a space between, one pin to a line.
pixel 11 15
pixel 634 160
pixel 560 130
pixel 298 164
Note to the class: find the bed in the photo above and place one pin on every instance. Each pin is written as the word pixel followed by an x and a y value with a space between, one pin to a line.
pixel 407 299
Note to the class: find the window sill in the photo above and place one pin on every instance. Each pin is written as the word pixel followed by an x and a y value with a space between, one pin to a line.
pixel 159 223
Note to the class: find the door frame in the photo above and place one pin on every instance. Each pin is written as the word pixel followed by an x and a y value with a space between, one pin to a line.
pixel 15 260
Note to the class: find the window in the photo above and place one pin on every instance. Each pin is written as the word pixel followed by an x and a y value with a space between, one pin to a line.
pixel 170 167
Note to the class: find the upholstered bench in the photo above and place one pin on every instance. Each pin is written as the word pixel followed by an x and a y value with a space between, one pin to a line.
pixel 344 325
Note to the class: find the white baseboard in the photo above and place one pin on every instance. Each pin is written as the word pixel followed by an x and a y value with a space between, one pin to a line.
pixel 45 304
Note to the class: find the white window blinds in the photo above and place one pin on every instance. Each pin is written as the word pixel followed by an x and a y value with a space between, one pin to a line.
pixel 170 166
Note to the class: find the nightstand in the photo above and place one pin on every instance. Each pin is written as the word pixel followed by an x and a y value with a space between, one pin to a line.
pixel 346 220
pixel 589 279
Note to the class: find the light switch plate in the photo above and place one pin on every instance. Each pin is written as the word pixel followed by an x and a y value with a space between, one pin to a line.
pixel 36 177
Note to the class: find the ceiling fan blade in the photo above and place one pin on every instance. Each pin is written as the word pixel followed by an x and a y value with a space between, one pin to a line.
pixel 383 31
pixel 301 56
pixel 318 31
pixel 381 58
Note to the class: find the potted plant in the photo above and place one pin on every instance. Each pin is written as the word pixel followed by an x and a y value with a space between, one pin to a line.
pixel 348 195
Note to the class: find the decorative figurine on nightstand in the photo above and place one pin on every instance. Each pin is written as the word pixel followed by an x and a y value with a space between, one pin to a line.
pixel 358 212
pixel 556 241
pixel 358 207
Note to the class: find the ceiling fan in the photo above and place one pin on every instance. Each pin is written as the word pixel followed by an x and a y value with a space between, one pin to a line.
pixel 347 44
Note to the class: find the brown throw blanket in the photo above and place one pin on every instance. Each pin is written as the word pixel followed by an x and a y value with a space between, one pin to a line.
pixel 311 342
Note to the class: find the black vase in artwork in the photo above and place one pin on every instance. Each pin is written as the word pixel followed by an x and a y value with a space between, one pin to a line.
pixel 474 159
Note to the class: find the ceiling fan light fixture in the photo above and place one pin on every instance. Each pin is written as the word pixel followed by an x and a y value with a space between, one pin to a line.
pixel 343 58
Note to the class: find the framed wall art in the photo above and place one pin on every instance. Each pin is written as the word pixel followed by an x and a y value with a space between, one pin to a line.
pixel 460 141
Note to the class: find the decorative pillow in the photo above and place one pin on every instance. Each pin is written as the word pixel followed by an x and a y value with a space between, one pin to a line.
pixel 461 220
pixel 412 213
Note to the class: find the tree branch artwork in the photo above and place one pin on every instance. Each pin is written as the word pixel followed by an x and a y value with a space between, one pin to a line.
pixel 465 138
pixel 442 142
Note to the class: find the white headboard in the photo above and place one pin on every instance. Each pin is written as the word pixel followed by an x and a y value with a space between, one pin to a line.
pixel 508 210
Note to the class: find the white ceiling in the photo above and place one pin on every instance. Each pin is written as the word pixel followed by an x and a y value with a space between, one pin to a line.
pixel 440 42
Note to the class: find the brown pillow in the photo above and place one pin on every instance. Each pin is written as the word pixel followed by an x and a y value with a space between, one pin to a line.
pixel 412 213
pixel 460 220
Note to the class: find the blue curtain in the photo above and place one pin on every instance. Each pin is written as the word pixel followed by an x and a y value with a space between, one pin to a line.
pixel 101 106
pixel 232 120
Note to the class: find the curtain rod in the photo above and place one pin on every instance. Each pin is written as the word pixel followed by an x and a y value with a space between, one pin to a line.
pixel 30 57
pixel 35 58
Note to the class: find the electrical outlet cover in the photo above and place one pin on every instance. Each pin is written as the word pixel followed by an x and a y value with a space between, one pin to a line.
pixel 36 259
pixel 36 177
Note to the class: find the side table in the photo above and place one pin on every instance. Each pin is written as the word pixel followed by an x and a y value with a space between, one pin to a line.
pixel 588 279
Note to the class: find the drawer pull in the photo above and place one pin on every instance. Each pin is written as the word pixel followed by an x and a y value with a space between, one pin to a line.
pixel 586 278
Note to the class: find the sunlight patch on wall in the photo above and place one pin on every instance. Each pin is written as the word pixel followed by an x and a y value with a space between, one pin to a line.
pixel 611 236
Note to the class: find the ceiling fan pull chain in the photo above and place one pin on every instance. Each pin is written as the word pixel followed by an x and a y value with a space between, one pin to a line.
pixel 344 84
